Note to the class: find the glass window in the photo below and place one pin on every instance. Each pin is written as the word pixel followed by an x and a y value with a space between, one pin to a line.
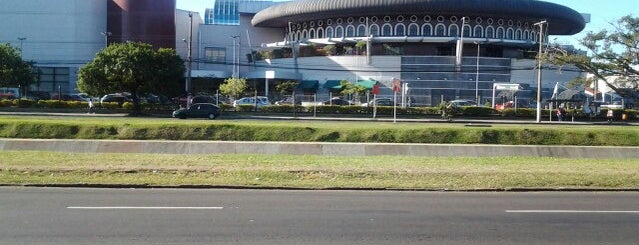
pixel 413 30
pixel 350 31
pixel 479 32
pixel 339 31
pixel 387 30
pixel 440 30
pixel 213 54
pixel 500 33
pixel 375 30
pixel 453 31
pixel 361 30
pixel 329 32
pixel 427 30
pixel 400 30
pixel 490 32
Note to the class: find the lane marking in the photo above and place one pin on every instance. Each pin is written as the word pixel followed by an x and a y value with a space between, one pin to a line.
pixel 575 211
pixel 145 208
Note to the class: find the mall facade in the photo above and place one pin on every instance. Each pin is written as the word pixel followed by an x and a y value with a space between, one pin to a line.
pixel 438 49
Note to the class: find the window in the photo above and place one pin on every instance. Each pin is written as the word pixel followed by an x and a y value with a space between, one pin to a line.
pixel 413 30
pixel 339 31
pixel 213 54
pixel 400 30
pixel 374 30
pixel 490 32
pixel 350 31
pixel 329 32
pixel 320 33
pixel 479 31
pixel 500 33
pixel 311 34
pixel 440 30
pixel 453 31
pixel 427 30
pixel 361 30
pixel 387 30
pixel 518 34
pixel 510 34
pixel 54 78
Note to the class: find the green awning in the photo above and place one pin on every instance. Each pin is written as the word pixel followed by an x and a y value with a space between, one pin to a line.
pixel 368 84
pixel 333 84
pixel 308 85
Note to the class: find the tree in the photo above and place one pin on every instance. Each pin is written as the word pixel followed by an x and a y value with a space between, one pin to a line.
pixel 613 56
pixel 286 87
pixel 234 87
pixel 15 72
pixel 135 68
pixel 349 88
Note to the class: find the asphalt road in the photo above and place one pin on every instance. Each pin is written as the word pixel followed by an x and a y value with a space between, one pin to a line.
pixel 188 216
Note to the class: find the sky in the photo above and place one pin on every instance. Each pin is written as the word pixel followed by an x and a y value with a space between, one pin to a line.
pixel 602 12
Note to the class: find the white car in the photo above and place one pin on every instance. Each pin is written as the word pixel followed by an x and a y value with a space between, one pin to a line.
pixel 261 101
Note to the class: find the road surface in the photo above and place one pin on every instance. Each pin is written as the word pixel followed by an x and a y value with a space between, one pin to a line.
pixel 218 216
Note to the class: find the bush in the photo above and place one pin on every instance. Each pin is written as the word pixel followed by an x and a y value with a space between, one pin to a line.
pixel 475 111
pixel 6 103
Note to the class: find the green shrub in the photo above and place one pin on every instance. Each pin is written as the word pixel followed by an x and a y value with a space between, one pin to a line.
pixel 475 111
pixel 245 108
pixel 128 106
pixel 6 103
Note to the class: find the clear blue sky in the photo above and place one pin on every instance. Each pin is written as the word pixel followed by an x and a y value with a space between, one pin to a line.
pixel 602 12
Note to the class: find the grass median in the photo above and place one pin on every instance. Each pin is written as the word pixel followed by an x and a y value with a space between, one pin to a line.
pixel 316 172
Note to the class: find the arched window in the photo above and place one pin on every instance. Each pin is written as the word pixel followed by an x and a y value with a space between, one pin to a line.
pixel 400 30
pixel 526 35
pixel 490 32
pixel 339 31
pixel 427 30
pixel 440 30
pixel 518 34
pixel 329 32
pixel 311 34
pixel 350 31
pixel 533 36
pixel 374 30
pixel 320 32
pixel 500 33
pixel 510 34
pixel 413 30
pixel 453 30
pixel 304 34
pixel 361 31
pixel 298 35
pixel 479 31
pixel 467 30
pixel 387 30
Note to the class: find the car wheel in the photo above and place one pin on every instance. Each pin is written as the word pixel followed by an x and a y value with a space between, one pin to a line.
pixel 212 116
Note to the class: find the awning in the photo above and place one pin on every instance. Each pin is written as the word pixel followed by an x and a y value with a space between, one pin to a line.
pixel 368 84
pixel 333 84
pixel 308 85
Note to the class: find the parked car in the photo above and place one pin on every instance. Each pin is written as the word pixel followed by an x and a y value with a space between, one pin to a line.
pixel 460 103
pixel 198 110
pixel 115 98
pixel 336 101
pixel 380 102
pixel 261 101
pixel 288 100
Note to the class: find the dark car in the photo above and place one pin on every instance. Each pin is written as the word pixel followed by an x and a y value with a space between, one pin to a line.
pixel 199 110
pixel 337 101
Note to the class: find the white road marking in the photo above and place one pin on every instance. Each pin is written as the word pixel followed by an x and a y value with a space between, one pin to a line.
pixel 575 211
pixel 146 208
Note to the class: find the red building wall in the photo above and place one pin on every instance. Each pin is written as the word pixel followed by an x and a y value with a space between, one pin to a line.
pixel 148 21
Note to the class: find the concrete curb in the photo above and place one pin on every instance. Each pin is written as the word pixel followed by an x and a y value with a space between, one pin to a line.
pixel 313 148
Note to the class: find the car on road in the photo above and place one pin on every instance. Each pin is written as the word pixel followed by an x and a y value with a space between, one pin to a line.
pixel 198 110
pixel 461 103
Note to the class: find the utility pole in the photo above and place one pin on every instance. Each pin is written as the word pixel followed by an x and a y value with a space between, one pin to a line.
pixel 539 64
pixel 21 40
pixel 189 58
pixel 477 75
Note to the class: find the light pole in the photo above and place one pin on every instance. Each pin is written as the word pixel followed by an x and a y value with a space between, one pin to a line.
pixel 21 40
pixel 189 62
pixel 236 70
pixel 539 63
pixel 106 35
pixel 477 76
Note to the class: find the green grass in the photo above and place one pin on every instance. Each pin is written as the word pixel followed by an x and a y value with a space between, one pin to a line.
pixel 317 172
pixel 314 131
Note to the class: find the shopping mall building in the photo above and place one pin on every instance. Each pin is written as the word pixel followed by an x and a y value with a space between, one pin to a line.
pixel 439 49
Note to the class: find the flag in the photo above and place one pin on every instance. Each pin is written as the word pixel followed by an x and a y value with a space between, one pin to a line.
pixel 555 91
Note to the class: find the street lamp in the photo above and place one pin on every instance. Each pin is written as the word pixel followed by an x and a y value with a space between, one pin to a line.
pixel 477 76
pixel 106 35
pixel 21 40
pixel 190 62
pixel 236 69
pixel 541 44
